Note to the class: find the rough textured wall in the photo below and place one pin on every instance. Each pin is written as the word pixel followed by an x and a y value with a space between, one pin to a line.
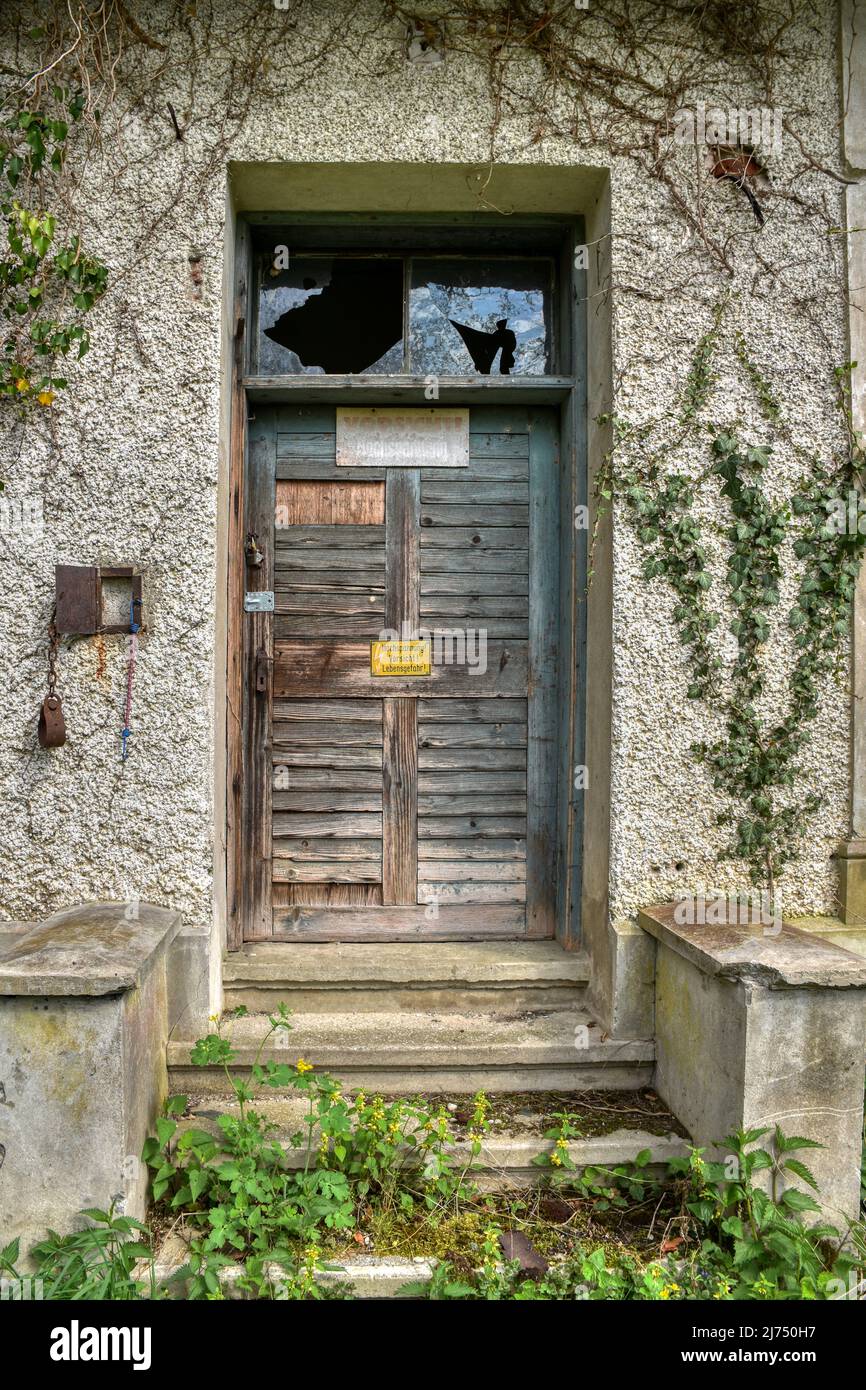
pixel 127 466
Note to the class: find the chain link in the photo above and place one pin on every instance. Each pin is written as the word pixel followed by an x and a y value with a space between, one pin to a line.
pixel 53 648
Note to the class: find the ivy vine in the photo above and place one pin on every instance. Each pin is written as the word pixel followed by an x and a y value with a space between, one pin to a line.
pixel 755 761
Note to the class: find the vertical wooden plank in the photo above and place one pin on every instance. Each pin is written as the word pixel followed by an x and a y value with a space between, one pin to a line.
pixel 258 685
pixel 399 801
pixel 400 715
pixel 542 734
pixel 235 848
pixel 402 518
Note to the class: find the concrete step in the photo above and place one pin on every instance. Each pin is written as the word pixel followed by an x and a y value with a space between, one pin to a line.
pixel 404 1052
pixel 456 976
pixel 507 1154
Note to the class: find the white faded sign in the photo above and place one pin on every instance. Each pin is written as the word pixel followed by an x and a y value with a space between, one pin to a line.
pixel 380 437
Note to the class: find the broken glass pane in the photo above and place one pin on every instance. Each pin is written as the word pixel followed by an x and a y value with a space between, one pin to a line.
pixel 334 315
pixel 475 316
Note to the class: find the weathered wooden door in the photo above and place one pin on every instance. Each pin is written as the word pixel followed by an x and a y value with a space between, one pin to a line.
pixel 394 808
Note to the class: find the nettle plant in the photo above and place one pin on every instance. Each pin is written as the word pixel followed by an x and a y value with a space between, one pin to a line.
pixel 242 1197
pixel 48 283
pixel 755 761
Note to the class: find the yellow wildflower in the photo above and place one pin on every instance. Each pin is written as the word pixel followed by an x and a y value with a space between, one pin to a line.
pixel 22 384
pixel 45 397
pixel 303 1066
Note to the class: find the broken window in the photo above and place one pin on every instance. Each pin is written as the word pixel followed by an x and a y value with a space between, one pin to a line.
pixel 490 317
pixel 336 315
pixel 395 314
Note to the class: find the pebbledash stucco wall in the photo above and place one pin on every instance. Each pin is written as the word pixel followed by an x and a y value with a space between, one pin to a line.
pixel 131 463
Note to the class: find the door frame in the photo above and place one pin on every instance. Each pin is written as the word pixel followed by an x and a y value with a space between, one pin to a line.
pixel 248 794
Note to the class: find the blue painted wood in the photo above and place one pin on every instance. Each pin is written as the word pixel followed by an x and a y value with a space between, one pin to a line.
pixel 542 850
pixel 573 570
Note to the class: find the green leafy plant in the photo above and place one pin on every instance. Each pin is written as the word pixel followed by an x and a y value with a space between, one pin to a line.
pixel 48 284
pixel 245 1195
pixel 737 1239
pixel 99 1262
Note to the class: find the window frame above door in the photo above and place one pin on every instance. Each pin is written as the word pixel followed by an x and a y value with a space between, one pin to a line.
pixel 484 236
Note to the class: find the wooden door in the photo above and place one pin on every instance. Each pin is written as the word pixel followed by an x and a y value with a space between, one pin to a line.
pixel 396 808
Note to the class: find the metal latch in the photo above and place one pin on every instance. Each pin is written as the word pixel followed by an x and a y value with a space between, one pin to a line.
pixel 259 601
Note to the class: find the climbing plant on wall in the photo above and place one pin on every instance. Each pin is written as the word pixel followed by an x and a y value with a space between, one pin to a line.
pixel 755 760
pixel 48 282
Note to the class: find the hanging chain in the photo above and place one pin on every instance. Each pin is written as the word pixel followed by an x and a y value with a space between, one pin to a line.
pixel 134 629
pixel 53 649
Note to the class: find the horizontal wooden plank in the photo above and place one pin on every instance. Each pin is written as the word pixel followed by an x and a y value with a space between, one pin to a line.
pixel 310 849
pixel 471 735
pixel 474 561
pixel 476 871
pixel 327 778
pixel 461 711
pixel 464 782
pixel 503 629
pixel 476 759
pixel 471 892
pixel 329 538
pixel 305 503
pixel 322 444
pixel 472 514
pixel 326 894
pixel 472 538
pixel 361 733
pixel 504 445
pixel 477 491
pixel 473 584
pixel 343 826
pixel 326 801
pixel 470 606
pixel 453 922
pixel 308 559
pixel 464 851
pixel 506 803
pixel 343 709
pixel 343 669
pixel 364 584
pixel 339 602
pixel 469 828
pixel 501 470
pixel 289 626
pixel 318 444
pixel 326 871
pixel 328 755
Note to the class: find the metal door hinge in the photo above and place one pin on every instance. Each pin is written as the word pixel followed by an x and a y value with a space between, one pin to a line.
pixel 259 601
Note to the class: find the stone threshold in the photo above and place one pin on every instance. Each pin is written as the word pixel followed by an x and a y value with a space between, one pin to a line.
pixel 399 963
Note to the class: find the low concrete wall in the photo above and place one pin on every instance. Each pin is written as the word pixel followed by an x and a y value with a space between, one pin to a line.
pixel 83 1032
pixel 760 1027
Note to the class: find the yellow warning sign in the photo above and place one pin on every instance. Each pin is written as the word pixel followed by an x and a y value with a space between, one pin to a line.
pixel 395 658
